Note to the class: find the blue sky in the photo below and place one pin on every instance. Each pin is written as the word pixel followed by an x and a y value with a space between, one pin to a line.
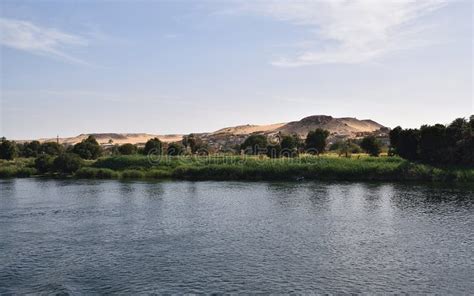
pixel 71 67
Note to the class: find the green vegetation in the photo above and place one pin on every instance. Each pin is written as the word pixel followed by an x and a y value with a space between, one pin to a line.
pixel 436 144
pixel 8 149
pixel 153 146
pixel 371 146
pixel 19 167
pixel 254 145
pixel 50 148
pixel 345 148
pixel 44 163
pixel 175 149
pixel 194 143
pixel 93 173
pixel 127 149
pixel 431 153
pixel 88 148
pixel 316 141
pixel 67 163
pixel 30 149
pixel 309 167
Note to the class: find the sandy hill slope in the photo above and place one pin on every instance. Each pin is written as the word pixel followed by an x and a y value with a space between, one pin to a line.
pixel 338 127
pixel 345 126
pixel 249 129
pixel 115 138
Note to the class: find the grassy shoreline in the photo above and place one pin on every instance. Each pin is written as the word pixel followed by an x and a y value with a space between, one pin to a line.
pixel 327 167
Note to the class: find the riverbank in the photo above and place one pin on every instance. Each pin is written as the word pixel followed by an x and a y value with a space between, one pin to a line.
pixel 328 167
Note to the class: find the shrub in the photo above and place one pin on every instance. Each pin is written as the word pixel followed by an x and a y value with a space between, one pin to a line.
pixel 289 145
pixel 132 174
pixel 20 172
pixel 123 162
pixel 153 146
pixel 175 149
pixel 51 148
pixel 44 163
pixel 371 145
pixel 336 146
pixel 25 172
pixel 67 163
pixel 88 148
pixel 255 144
pixel 127 149
pixel 158 174
pixel 273 151
pixel 8 149
pixel 30 149
pixel 93 173
pixel 194 143
pixel 7 172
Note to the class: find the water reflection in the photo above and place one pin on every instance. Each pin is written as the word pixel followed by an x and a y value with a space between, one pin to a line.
pixel 198 237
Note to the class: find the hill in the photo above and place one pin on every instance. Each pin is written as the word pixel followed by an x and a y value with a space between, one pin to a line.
pixel 346 127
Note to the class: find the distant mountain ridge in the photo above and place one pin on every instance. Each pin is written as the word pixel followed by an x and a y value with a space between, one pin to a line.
pixel 345 127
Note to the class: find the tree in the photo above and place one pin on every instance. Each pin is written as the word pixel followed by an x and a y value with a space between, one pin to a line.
pixel 30 149
pixel 346 148
pixel 371 145
pixel 51 148
pixel 336 146
pixel 194 143
pixel 289 145
pixel 175 149
pixel 394 136
pixel 127 149
pixel 8 149
pixel 408 142
pixel 67 163
pixel 437 144
pixel 433 144
pixel 44 163
pixel 457 130
pixel 316 140
pixel 273 151
pixel 153 146
pixel 255 144
pixel 88 148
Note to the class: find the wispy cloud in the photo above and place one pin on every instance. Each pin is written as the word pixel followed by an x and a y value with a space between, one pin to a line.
pixel 26 36
pixel 349 31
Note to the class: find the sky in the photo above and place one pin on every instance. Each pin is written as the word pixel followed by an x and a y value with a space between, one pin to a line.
pixel 164 67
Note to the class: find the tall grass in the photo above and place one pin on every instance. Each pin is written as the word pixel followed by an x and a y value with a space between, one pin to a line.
pixel 19 167
pixel 218 167
pixel 262 168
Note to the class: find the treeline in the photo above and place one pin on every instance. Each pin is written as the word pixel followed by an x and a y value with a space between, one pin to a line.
pixel 280 146
pixel 52 157
pixel 87 149
pixel 315 143
pixel 438 144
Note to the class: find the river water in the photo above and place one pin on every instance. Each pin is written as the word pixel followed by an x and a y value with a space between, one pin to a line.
pixel 82 237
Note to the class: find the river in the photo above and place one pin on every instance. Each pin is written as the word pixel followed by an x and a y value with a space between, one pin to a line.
pixel 83 237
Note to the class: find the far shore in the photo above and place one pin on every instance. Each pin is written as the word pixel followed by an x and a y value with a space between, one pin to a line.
pixel 250 168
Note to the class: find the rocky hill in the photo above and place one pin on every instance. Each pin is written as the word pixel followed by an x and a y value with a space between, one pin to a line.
pixel 346 127
pixel 339 128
